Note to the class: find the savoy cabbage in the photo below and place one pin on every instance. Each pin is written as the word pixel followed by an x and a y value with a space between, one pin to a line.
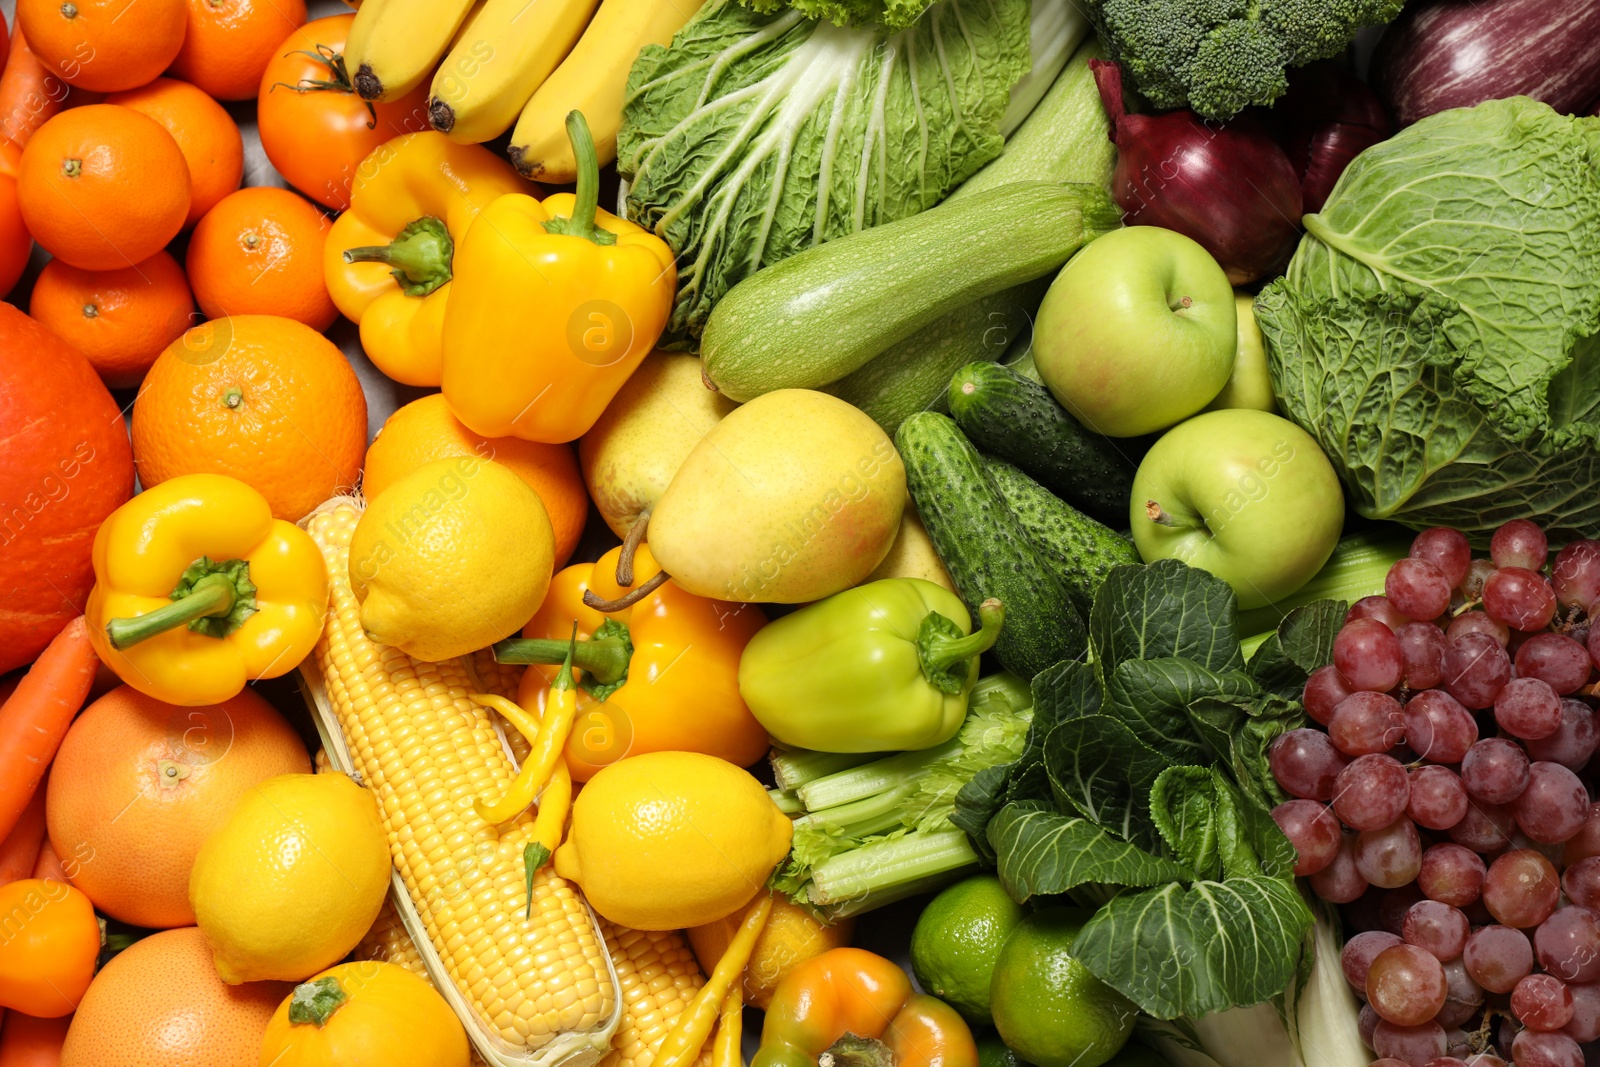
pixel 1437 328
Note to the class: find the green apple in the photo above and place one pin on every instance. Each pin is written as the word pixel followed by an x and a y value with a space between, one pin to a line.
pixel 1250 385
pixel 1137 332
pixel 1243 494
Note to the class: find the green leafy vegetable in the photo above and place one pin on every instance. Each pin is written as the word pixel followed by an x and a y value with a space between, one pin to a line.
pixel 1043 853
pixel 1165 609
pixel 1436 329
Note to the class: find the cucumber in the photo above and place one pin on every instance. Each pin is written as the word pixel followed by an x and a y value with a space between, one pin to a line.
pixel 1066 138
pixel 984 549
pixel 1018 420
pixel 913 375
pixel 1079 550
pixel 817 316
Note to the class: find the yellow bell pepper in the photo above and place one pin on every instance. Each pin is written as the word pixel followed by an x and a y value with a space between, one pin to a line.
pixel 198 589
pixel 387 260
pixel 555 305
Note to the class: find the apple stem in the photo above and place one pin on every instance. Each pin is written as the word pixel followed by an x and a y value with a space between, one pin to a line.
pixel 1162 517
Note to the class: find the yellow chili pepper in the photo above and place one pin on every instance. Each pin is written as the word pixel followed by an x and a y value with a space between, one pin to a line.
pixel 725 1052
pixel 555 801
pixel 198 589
pixel 682 1046
pixel 388 260
pixel 546 739
pixel 555 304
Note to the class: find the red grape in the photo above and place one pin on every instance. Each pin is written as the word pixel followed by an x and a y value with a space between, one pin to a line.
pixel 1485 827
pixel 1495 770
pixel 1438 799
pixel 1527 708
pixel 1417 589
pixel 1484 1059
pixel 1478 572
pixel 1437 727
pixel 1520 598
pixel 1541 1048
pixel 1574 741
pixel 1451 874
pixel 1498 957
pixel 1519 543
pixel 1585 1023
pixel 1406 985
pixel 1368 654
pixel 1324 690
pixel 1422 645
pixel 1446 549
pixel 1568 945
pixel 1371 792
pixel 1412 1045
pixel 1521 889
pixel 1586 842
pixel 1359 952
pixel 1555 659
pixel 1541 1002
pixel 1576 575
pixel 1446 1061
pixel 1306 764
pixel 1365 723
pixel 1339 882
pixel 1375 607
pixel 1436 928
pixel 1476 622
pixel 1463 996
pixel 1581 882
pixel 1312 830
pixel 1554 805
pixel 1389 857
pixel 1475 667
pixel 1393 905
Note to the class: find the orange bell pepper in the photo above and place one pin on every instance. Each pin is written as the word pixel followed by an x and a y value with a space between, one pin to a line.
pixel 848 999
pixel 659 676
pixel 49 942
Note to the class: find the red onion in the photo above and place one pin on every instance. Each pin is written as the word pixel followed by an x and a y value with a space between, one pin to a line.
pixel 1229 186
pixel 1327 119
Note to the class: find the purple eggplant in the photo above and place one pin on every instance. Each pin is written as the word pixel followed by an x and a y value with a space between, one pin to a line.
pixel 1442 54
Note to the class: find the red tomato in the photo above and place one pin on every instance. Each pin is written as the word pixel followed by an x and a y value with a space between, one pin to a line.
pixel 315 129
pixel 16 244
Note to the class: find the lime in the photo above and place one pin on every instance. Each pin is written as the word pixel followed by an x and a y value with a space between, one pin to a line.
pixel 1137 1056
pixel 957 940
pixel 1047 1006
pixel 992 1052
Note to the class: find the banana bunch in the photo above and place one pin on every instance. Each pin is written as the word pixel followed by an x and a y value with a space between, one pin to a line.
pixel 495 63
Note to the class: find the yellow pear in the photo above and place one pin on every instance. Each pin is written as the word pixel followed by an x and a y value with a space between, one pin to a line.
pixel 792 497
pixel 912 554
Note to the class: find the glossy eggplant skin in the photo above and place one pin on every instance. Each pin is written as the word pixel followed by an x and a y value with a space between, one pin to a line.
pixel 1442 54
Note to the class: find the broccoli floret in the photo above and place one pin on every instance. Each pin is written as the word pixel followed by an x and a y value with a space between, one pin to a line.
pixel 1220 56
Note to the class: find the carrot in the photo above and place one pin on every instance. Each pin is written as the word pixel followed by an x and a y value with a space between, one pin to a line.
pixel 35 718
pixel 29 1042
pixel 30 95
pixel 49 864
pixel 19 852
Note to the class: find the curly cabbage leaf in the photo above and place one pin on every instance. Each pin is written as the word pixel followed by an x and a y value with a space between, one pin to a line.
pixel 752 137
pixel 1436 329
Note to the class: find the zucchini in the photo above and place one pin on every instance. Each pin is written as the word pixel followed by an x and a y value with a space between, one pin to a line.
pixel 913 375
pixel 984 549
pixel 1017 419
pixel 1066 138
pixel 817 316
pixel 1080 551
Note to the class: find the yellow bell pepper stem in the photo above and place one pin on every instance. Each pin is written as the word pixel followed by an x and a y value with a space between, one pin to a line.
pixel 547 743
pixel 683 1045
pixel 207 591
pixel 420 254
pixel 587 193
pixel 725 1052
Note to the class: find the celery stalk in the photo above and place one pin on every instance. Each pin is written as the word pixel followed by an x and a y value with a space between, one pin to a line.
pixel 794 767
pixel 874 777
pixel 893 862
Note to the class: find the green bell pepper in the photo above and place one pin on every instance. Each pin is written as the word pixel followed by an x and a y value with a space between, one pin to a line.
pixel 882 667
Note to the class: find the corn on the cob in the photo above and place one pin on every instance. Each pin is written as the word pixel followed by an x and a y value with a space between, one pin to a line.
pixel 658 977
pixel 501 680
pixel 534 991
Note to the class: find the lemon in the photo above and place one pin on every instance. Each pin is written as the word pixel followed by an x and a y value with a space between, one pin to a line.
pixel 668 840
pixel 287 886
pixel 450 558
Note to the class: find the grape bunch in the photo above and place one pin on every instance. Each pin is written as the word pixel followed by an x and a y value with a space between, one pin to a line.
pixel 1442 802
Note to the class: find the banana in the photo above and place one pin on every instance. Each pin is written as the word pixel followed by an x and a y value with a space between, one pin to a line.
pixel 591 80
pixel 395 44
pixel 492 71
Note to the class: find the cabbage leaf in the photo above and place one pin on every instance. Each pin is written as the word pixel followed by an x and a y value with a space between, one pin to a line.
pixel 1436 329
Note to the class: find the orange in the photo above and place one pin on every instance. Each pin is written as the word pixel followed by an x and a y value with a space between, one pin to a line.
pixel 425 430
pixel 230 43
pixel 138 785
pixel 104 46
pixel 259 252
pixel 103 186
pixel 205 132
pixel 159 1001
pixel 266 400
pixel 119 319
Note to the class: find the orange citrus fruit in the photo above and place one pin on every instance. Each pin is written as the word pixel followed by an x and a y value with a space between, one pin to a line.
pixel 205 132
pixel 103 186
pixel 138 785
pixel 104 46
pixel 425 430
pixel 230 43
pixel 263 399
pixel 159 1001
pixel 119 319
pixel 259 252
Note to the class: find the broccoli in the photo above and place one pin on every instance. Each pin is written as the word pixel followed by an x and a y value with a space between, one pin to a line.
pixel 1221 56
